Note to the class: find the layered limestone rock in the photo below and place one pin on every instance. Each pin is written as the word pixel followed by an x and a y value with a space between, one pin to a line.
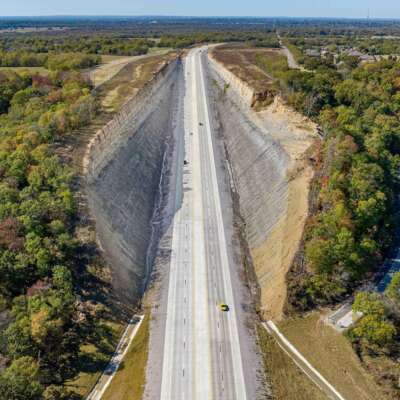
pixel 123 167
pixel 271 176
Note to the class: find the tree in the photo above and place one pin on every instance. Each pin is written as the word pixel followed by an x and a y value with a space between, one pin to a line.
pixel 374 326
pixel 369 304
pixel 53 392
pixel 393 289
pixel 375 330
pixel 20 381
pixel 320 256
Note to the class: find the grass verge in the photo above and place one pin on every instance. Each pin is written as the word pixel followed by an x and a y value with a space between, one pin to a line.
pixel 128 382
pixel 297 54
pixel 31 70
pixel 93 358
pixel 287 380
pixel 332 355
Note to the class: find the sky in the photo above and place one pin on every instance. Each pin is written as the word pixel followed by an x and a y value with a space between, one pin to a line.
pixel 262 8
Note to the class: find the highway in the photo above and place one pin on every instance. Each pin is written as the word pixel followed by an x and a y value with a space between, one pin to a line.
pixel 202 357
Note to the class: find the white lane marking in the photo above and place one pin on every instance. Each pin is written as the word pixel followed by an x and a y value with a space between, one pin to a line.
pixel 203 376
pixel 173 306
pixel 270 326
pixel 239 381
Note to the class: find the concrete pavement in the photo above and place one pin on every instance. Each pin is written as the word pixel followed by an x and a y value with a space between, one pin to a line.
pixel 202 356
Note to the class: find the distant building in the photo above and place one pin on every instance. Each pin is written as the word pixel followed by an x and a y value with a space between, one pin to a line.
pixel 354 53
pixel 367 58
pixel 313 53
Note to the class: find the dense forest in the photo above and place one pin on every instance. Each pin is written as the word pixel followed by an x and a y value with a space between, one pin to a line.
pixel 94 44
pixel 53 62
pixel 37 250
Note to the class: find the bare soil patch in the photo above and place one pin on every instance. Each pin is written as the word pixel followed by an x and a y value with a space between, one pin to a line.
pixel 272 259
pixel 240 60
pixel 130 79
pixel 111 65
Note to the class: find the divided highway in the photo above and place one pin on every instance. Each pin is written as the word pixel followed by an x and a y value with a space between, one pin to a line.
pixel 202 358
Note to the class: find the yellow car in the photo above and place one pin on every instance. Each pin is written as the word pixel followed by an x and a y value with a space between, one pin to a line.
pixel 224 307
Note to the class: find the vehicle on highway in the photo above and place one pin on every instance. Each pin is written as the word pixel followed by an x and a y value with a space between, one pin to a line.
pixel 224 307
pixel 200 123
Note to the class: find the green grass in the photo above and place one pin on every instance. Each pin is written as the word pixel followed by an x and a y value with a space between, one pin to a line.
pixel 94 357
pixel 332 355
pixel 152 51
pixel 297 54
pixel 273 63
pixel 128 382
pixel 108 58
pixel 39 70
pixel 288 382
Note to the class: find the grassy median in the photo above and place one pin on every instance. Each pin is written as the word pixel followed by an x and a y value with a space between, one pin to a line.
pixel 128 382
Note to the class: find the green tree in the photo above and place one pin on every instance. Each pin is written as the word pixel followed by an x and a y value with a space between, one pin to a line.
pixel 369 304
pixel 393 289
pixel 374 330
pixel 20 381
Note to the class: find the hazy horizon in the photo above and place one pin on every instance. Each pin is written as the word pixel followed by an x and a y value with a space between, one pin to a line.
pixel 385 9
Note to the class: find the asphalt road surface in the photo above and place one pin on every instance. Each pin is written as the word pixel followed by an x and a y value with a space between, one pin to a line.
pixel 202 358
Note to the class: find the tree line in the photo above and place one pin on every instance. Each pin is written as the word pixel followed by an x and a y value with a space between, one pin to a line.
pixel 53 62
pixel 258 39
pixel 86 44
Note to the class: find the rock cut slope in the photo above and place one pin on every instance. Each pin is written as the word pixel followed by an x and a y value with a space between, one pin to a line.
pixel 266 152
pixel 123 166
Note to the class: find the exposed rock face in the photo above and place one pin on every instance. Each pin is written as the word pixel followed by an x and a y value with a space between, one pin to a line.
pixel 123 168
pixel 266 154
pixel 247 95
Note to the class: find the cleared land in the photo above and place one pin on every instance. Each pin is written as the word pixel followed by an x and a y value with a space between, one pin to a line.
pixel 111 65
pixel 287 380
pixel 332 355
pixel 130 79
pixel 242 61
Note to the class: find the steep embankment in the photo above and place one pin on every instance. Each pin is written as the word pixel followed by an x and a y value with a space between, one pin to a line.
pixel 266 151
pixel 123 166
